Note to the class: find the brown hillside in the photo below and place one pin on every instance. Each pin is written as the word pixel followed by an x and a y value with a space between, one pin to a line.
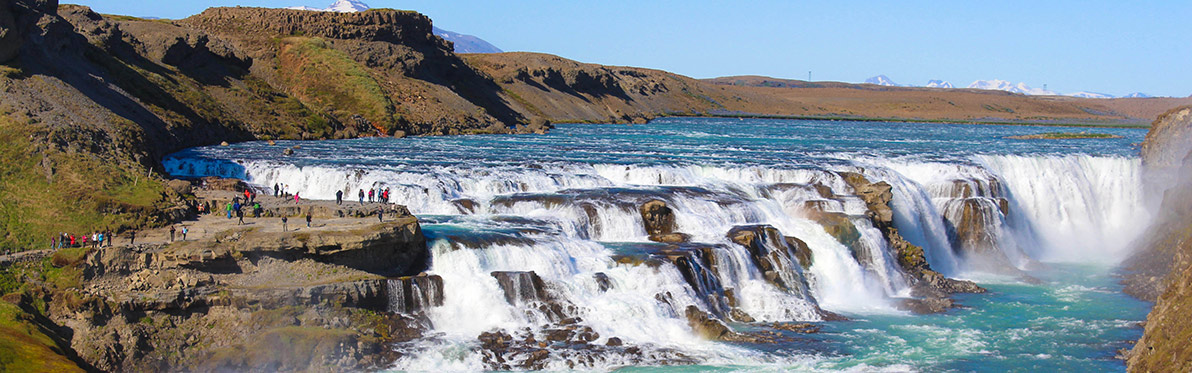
pixel 568 91
pixel 1161 268
pixel 563 90
pixel 797 98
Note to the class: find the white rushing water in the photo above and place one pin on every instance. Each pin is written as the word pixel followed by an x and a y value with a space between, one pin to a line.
pixel 1034 208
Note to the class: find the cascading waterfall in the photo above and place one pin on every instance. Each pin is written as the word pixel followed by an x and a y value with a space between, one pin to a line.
pixel 531 246
pixel 1082 207
pixel 1038 207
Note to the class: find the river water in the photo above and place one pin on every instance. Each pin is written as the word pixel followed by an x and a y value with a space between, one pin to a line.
pixel 1054 217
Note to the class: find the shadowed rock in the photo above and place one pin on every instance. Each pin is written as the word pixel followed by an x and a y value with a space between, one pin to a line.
pixel 775 256
pixel 521 287
pixel 415 293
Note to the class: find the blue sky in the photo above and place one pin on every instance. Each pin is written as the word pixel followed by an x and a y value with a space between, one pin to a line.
pixel 1113 47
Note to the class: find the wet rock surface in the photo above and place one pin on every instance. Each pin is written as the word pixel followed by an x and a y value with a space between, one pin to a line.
pixel 930 288
pixel 779 258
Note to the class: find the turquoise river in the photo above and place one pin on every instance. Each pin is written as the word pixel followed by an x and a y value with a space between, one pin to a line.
pixel 517 224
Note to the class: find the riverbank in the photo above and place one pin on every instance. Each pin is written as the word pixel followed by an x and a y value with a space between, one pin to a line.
pixel 294 297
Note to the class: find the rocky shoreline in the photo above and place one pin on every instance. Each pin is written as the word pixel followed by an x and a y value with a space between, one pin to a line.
pixel 302 299
pixel 1161 268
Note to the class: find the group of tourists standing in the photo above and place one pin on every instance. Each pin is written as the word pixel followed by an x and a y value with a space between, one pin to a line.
pixel 93 240
pixel 235 208
pixel 373 195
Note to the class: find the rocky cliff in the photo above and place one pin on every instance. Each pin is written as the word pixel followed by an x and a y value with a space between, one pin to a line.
pixel 255 297
pixel 1162 268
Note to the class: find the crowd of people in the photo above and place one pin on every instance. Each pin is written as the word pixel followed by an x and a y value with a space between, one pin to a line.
pixel 235 208
pixel 374 195
pixel 94 240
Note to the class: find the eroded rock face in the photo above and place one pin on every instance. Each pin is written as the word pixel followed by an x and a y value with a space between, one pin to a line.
pixel 705 325
pixel 658 218
pixel 976 216
pixel 10 40
pixel 877 197
pixel 1161 267
pixel 930 287
pixel 412 294
pixel 775 256
pixel 521 287
pixel 299 298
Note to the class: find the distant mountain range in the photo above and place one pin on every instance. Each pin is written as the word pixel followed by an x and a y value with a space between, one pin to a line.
pixel 882 80
pixel 885 81
pixel 938 84
pixel 463 43
pixel 341 6
pixel 466 43
pixel 1001 85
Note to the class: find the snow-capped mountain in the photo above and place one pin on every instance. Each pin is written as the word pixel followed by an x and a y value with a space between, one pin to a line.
pixel 881 80
pixel 348 6
pixel 466 43
pixel 341 6
pixel 1084 94
pixel 1137 95
pixel 935 83
pixel 463 43
pixel 1002 85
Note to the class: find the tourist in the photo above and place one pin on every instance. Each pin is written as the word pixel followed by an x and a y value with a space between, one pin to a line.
pixel 184 231
pixel 362 197
pixel 239 217
pixel 283 224
pixel 256 210
pixel 101 239
pixel 53 242
pixel 276 190
pixel 172 229
pixel 247 196
pixel 371 193
pixel 339 197
pixel 229 208
pixel 295 197
pixel 132 237
pixel 108 235
pixel 380 215
pixel 308 218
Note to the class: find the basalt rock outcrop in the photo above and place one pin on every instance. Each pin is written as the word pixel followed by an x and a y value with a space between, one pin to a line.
pixel 926 283
pixel 780 259
pixel 659 221
pixel 1161 268
pixel 247 299
pixel 974 213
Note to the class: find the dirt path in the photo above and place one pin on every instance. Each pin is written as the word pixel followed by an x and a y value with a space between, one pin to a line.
pixel 208 225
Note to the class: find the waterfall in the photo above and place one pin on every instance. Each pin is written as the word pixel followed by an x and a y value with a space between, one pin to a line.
pixel 414 294
pixel 529 247
pixel 1084 208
